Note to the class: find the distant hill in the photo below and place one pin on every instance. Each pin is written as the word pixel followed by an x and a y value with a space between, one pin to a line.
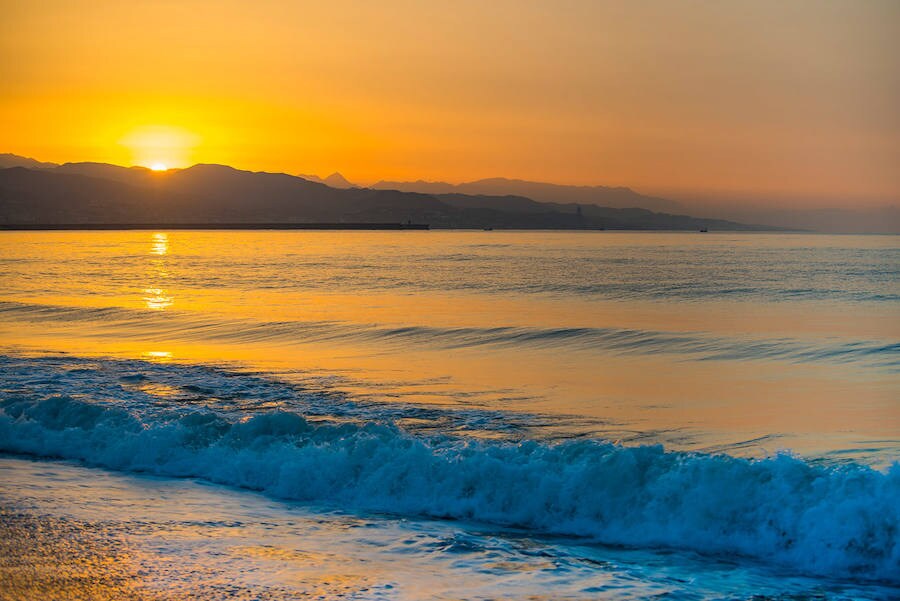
pixel 603 196
pixel 202 193
pixel 495 202
pixel 128 175
pixel 13 160
pixel 335 180
pixel 100 193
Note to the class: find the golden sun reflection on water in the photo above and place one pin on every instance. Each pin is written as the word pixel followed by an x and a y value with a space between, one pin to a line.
pixel 159 244
pixel 156 297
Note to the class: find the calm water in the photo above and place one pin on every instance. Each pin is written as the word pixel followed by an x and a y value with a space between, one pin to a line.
pixel 732 395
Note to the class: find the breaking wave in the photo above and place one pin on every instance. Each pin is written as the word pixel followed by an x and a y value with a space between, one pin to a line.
pixel 836 520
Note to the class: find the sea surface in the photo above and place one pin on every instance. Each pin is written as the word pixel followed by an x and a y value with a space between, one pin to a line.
pixel 461 415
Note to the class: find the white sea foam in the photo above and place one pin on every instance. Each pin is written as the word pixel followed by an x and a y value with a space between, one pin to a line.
pixel 842 520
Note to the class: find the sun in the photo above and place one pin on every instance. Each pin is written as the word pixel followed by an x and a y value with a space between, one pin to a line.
pixel 160 147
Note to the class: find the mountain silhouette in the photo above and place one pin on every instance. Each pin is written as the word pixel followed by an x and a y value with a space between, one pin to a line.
pixel 543 192
pixel 335 180
pixel 99 193
pixel 13 160
pixel 218 193
pixel 128 175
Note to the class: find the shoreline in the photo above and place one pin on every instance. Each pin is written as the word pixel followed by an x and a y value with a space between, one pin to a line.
pixel 73 533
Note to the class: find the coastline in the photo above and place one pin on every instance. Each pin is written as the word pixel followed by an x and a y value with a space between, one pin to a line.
pixel 209 226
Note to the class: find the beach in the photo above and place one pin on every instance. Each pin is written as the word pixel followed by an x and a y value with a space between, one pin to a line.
pixel 83 534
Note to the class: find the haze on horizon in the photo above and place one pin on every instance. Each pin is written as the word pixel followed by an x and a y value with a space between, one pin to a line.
pixel 732 100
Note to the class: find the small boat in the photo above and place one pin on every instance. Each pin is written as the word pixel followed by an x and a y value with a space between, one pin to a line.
pixel 703 230
pixel 488 229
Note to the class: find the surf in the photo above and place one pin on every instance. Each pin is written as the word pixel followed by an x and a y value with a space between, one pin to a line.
pixel 839 520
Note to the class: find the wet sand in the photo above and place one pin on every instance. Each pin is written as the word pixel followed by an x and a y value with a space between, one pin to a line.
pixel 44 557
pixel 47 558
pixel 140 539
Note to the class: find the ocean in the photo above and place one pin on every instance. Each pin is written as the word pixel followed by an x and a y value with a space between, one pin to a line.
pixel 459 415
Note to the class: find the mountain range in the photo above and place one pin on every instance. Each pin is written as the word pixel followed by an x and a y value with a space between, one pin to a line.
pixel 32 192
pixel 604 196
pixel 864 218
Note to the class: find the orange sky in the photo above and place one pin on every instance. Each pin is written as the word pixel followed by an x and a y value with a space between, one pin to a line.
pixel 757 98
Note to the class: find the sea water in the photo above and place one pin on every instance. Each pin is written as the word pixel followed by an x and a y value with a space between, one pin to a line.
pixel 696 415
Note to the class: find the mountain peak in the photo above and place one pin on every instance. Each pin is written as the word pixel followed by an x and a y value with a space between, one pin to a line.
pixel 336 180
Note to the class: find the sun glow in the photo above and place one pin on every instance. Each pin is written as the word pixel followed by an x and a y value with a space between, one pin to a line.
pixel 160 147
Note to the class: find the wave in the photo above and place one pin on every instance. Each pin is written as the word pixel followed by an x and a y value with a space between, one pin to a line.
pixel 147 388
pixel 693 345
pixel 832 520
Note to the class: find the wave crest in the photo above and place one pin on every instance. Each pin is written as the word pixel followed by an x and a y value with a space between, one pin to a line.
pixel 841 520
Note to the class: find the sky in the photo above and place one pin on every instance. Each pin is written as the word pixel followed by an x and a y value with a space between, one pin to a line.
pixel 792 101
